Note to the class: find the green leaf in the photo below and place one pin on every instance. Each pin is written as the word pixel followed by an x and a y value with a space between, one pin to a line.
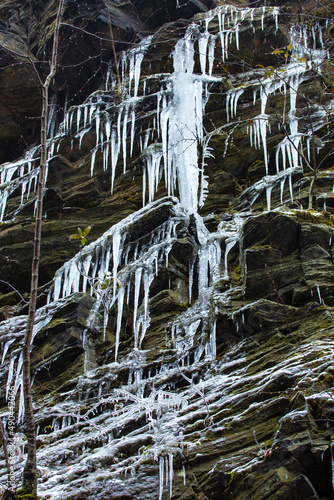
pixel 86 231
pixel 83 241
pixel 75 237
pixel 79 231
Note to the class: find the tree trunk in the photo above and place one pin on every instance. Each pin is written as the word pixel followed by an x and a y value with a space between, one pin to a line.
pixel 30 469
pixel 4 445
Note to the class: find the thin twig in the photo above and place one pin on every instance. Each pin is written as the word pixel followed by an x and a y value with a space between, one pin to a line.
pixel 15 290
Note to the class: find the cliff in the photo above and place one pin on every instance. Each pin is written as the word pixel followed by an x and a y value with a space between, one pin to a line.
pixel 186 350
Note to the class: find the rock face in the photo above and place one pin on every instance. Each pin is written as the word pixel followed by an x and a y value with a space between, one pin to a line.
pixel 185 351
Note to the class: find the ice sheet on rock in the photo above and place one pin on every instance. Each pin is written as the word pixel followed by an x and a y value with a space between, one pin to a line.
pixel 94 441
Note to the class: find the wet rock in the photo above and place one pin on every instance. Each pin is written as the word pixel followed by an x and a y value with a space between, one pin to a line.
pixel 260 316
pixel 232 380
pixel 59 343
pixel 276 230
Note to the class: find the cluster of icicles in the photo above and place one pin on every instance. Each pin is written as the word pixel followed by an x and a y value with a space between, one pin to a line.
pixel 170 145
pixel 135 265
pixel 137 272
pixel 304 55
pixel 170 151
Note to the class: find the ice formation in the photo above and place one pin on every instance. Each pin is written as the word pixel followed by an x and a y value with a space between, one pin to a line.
pixel 127 264
pixel 171 152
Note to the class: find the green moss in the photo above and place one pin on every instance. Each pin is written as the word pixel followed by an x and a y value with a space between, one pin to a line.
pixel 22 495
pixel 326 378
pixel 261 247
pixel 27 496
pixel 237 270
pixel 314 217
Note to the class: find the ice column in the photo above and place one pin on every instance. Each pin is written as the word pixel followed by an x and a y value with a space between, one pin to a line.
pixel 181 122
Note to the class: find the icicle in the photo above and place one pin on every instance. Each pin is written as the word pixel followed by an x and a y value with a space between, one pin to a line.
pixel 229 246
pixel 268 195
pixel 135 57
pixel 275 16
pixel 167 471
pixel 202 48
pixel 120 302
pixel 97 126
pixel 262 18
pixel 20 415
pixel 92 165
pixel 144 186
pixel 133 122
pixel 116 242
pixel 138 274
pixel 78 118
pixel 290 188
pixel 191 278
pixel 5 349
pixel 282 189
pixel 124 136
pixel 145 320
pixel 213 343
pixel 10 375
pixel 232 98
pixel 211 55
pixel 114 146
pixel 161 476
